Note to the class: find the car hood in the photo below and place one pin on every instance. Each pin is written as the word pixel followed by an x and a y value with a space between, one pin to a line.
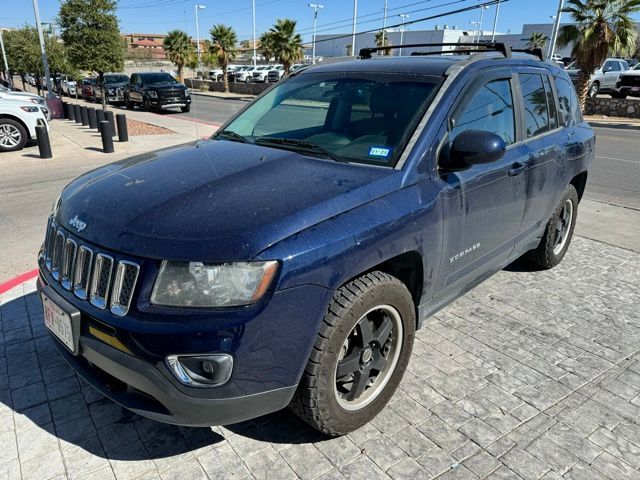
pixel 116 84
pixel 19 95
pixel 159 86
pixel 215 201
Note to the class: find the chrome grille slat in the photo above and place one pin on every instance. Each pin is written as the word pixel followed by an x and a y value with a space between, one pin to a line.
pixel 101 280
pixel 68 264
pixel 50 241
pixel 82 274
pixel 56 256
pixel 123 285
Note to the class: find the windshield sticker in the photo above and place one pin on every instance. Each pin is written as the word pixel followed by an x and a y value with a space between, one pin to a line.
pixel 382 152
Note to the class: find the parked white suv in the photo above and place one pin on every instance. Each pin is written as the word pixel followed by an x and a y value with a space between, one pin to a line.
pixel 8 94
pixel 604 79
pixel 244 74
pixel 260 73
pixel 67 85
pixel 18 121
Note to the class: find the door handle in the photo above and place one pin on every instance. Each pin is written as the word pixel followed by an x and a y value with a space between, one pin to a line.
pixel 516 169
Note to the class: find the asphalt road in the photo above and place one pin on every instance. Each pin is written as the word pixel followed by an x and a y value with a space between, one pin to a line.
pixel 215 110
pixel 615 174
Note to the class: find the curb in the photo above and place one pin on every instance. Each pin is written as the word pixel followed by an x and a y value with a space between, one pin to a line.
pixel 14 282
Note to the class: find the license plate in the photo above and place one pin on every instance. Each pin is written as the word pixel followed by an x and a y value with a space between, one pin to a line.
pixel 635 89
pixel 59 322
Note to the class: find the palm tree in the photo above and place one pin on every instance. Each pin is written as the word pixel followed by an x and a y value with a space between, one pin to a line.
pixel 382 40
pixel 286 43
pixel 537 40
pixel 223 46
pixel 179 49
pixel 599 28
pixel 266 45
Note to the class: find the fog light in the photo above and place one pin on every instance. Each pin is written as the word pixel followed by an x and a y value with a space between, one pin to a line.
pixel 201 370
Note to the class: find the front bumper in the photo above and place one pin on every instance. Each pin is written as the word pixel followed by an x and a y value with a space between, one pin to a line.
pixel 633 91
pixel 124 357
pixel 170 102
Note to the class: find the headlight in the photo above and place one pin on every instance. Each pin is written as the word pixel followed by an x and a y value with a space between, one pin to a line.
pixel 152 94
pixel 30 109
pixel 187 92
pixel 36 100
pixel 196 284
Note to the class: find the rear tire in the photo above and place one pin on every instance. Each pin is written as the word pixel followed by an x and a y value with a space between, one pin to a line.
pixel 558 233
pixel 360 355
pixel 13 135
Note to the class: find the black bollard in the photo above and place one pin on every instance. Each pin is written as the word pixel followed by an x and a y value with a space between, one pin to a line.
pixel 85 116
pixel 107 140
pixel 65 110
pixel 44 146
pixel 123 133
pixel 99 117
pixel 76 113
pixel 108 116
pixel 93 120
pixel 70 112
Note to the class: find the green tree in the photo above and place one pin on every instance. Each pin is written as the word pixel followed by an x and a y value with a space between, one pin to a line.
pixel 223 47
pixel 266 45
pixel 599 28
pixel 537 40
pixel 179 48
pixel 286 43
pixel 382 40
pixel 92 37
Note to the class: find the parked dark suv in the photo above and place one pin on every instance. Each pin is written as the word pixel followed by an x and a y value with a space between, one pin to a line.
pixel 289 259
pixel 113 84
pixel 156 90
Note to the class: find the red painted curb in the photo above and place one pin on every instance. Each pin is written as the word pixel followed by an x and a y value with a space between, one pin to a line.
pixel 14 282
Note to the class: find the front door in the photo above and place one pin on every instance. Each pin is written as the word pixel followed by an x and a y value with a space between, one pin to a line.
pixel 483 205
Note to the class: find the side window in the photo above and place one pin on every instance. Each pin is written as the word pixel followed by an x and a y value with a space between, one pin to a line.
pixel 536 111
pixel 625 65
pixel 551 103
pixel 564 102
pixel 490 108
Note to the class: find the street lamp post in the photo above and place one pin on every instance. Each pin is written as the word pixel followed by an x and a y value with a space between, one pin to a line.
pixel 45 62
pixel 473 32
pixel 253 19
pixel 316 7
pixel 198 7
pixel 495 22
pixel 404 17
pixel 556 28
pixel 353 30
pixel 384 23
pixel 6 64
pixel 482 9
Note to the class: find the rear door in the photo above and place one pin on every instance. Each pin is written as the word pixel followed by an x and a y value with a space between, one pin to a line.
pixel 547 142
pixel 483 206
pixel 612 70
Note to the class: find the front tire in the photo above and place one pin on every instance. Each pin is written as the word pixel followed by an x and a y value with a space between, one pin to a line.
pixel 13 135
pixel 594 89
pixel 360 355
pixel 185 109
pixel 558 233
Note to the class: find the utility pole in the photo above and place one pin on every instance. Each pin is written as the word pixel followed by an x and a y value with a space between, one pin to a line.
pixel 404 17
pixel 253 14
pixel 45 63
pixel 495 22
pixel 316 7
pixel 473 33
pixel 198 7
pixel 6 64
pixel 554 33
pixel 353 32
pixel 384 23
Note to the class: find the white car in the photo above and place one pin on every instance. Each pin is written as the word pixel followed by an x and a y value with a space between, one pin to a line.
pixel 7 93
pixel 260 73
pixel 215 74
pixel 18 121
pixel 67 85
pixel 244 74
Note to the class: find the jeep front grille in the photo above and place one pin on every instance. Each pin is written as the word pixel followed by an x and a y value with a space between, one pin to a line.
pixel 89 275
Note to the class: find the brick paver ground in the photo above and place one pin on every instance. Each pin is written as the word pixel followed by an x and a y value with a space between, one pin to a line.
pixel 531 375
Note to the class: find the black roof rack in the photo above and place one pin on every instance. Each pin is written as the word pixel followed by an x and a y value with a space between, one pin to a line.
pixel 366 53
pixel 531 51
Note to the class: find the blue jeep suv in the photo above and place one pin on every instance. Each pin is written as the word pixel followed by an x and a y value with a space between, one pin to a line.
pixel 290 258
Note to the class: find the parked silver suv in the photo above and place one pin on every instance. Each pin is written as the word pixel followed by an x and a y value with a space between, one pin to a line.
pixel 604 79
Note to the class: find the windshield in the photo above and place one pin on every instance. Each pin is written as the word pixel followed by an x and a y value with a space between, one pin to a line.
pixel 356 117
pixel 152 78
pixel 116 79
pixel 637 67
pixel 4 89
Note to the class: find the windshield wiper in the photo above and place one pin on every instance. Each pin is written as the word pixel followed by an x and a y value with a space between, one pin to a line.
pixel 296 144
pixel 231 135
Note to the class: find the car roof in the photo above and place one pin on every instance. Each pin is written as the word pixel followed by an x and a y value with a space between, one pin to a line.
pixel 435 65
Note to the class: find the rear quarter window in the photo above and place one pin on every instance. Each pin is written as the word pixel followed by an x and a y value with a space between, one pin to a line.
pixel 568 105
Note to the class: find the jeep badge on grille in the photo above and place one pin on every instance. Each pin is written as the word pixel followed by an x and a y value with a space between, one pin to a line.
pixel 78 224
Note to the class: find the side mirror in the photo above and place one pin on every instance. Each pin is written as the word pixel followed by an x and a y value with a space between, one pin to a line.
pixel 473 147
pixel 607 69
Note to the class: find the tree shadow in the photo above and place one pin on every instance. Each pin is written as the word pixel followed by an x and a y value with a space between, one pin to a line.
pixel 44 392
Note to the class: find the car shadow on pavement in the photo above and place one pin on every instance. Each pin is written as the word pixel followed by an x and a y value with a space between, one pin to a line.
pixel 48 399
pixel 617 126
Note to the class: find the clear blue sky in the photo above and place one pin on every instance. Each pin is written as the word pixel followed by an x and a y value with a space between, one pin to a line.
pixel 159 16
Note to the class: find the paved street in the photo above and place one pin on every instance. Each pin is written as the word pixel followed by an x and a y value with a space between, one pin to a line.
pixel 530 375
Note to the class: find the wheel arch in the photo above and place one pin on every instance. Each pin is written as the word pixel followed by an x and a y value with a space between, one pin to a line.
pixel 579 182
pixel 17 119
